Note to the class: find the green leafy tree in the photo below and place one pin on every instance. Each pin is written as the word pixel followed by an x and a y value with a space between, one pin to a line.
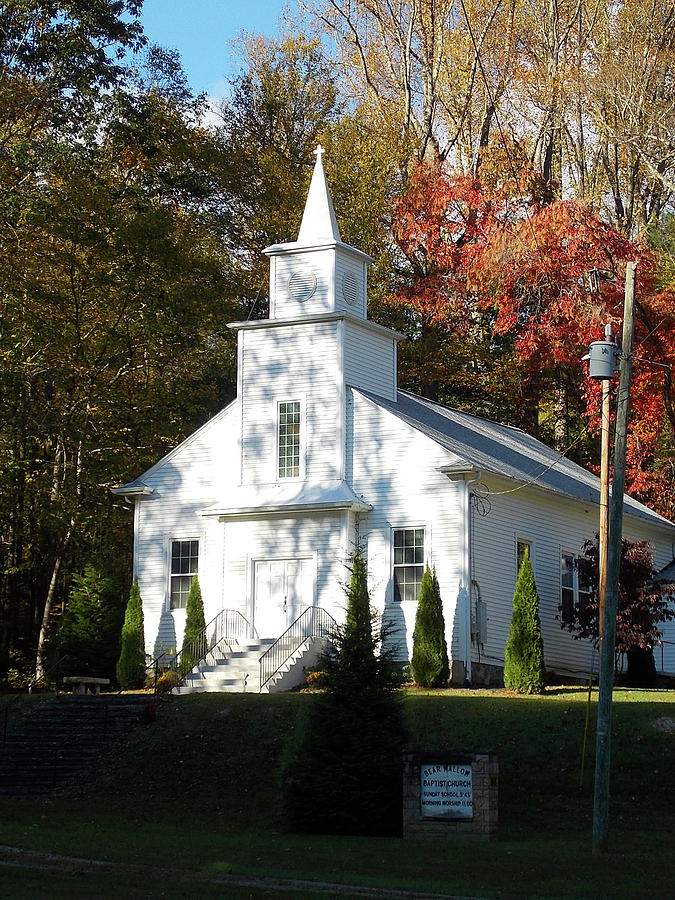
pixel 89 632
pixel 113 343
pixel 56 61
pixel 524 670
pixel 131 664
pixel 429 664
pixel 194 639
pixel 342 772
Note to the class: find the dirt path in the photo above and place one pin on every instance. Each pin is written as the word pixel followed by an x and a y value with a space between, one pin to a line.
pixel 17 857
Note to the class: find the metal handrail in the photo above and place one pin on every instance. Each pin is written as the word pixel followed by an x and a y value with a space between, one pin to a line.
pixel 225 628
pixel 660 643
pixel 154 665
pixel 56 666
pixel 312 622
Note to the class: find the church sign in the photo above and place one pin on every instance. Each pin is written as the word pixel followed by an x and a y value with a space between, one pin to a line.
pixel 450 795
pixel 447 791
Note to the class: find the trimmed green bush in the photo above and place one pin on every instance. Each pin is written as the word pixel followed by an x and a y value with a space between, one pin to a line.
pixel 342 771
pixel 194 640
pixel 131 664
pixel 524 670
pixel 429 665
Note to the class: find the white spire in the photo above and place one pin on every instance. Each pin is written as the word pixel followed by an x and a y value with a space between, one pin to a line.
pixel 319 224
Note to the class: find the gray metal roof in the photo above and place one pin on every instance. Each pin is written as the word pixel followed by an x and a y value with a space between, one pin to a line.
pixel 504 450
pixel 667 573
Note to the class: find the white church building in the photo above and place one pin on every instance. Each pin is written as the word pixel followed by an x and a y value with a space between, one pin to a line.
pixel 320 452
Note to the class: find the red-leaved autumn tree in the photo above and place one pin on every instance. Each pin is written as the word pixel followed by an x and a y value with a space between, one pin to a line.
pixel 497 300
pixel 643 605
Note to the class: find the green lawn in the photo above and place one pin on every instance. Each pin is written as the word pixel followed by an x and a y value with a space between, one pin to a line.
pixel 197 792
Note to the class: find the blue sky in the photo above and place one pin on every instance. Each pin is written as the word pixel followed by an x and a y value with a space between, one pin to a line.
pixel 201 30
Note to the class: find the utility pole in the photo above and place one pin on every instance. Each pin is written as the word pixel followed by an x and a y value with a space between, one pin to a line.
pixel 603 535
pixel 604 722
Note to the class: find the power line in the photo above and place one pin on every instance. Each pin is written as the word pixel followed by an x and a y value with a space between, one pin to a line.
pixel 561 455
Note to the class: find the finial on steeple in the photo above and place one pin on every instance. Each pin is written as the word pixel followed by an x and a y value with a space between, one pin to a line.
pixel 319 224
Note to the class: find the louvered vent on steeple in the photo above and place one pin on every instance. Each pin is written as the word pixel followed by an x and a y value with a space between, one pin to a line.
pixel 301 285
pixel 350 288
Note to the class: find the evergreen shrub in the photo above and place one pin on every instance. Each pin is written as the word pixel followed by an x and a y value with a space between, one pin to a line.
pixel 88 634
pixel 131 664
pixel 194 640
pixel 342 771
pixel 429 665
pixel 524 670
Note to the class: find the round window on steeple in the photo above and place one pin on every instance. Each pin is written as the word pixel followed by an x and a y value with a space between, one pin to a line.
pixel 301 285
pixel 350 288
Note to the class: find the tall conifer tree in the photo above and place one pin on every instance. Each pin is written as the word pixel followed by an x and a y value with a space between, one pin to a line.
pixel 194 639
pixel 430 666
pixel 131 664
pixel 343 769
pixel 524 670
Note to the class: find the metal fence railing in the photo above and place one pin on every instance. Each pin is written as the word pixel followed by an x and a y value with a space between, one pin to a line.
pixel 313 622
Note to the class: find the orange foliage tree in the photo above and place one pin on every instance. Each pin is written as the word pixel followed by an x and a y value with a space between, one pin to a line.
pixel 499 302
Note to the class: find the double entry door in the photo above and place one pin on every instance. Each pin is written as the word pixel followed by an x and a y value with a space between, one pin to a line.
pixel 282 588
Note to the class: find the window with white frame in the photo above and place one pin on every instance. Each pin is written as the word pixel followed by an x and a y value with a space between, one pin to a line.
pixel 289 439
pixel 408 563
pixel 184 562
pixel 574 588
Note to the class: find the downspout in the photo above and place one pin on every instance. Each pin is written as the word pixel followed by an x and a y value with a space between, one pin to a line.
pixel 468 476
pixel 468 482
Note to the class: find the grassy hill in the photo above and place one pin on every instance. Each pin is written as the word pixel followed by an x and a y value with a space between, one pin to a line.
pixel 194 796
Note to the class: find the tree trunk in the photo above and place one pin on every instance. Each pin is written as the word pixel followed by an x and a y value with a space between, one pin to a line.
pixel 40 669
pixel 641 668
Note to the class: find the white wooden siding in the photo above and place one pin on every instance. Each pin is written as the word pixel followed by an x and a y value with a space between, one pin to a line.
pixel 369 361
pixel 322 264
pixel 289 363
pixel 350 265
pixel 664 653
pixel 320 536
pixel 329 267
pixel 394 467
pixel 196 474
pixel 552 524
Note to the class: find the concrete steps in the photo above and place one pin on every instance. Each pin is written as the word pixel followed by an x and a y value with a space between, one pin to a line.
pixel 49 742
pixel 235 672
pixel 239 671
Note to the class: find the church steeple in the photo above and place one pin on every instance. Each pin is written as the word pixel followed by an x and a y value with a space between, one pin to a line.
pixel 319 225
pixel 318 273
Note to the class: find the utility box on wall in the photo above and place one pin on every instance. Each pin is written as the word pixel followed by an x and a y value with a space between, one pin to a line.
pixel 450 795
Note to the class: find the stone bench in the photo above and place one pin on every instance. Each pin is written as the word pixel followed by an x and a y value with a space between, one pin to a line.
pixel 82 683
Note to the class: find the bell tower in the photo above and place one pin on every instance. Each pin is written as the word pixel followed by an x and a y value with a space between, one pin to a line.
pixel 318 273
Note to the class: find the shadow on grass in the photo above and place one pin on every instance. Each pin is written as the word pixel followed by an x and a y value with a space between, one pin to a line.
pixel 199 788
